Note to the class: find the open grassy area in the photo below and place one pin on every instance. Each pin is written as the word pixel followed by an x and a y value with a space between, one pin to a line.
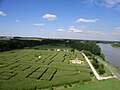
pixel 22 69
pixel 111 84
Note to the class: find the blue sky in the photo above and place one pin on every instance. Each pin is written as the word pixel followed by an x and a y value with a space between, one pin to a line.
pixel 76 19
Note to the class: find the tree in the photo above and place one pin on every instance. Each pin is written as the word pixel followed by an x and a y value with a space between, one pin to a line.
pixel 87 53
pixel 102 56
pixel 101 70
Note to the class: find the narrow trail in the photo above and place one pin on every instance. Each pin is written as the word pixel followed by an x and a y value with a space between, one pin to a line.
pixel 95 72
pixel 116 74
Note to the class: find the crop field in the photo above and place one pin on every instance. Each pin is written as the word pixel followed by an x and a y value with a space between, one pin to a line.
pixel 23 69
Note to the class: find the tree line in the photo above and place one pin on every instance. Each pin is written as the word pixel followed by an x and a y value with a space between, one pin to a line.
pixel 116 44
pixel 88 46
pixel 6 45
pixel 91 46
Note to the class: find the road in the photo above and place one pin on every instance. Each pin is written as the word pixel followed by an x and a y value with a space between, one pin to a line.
pixel 94 71
pixel 117 75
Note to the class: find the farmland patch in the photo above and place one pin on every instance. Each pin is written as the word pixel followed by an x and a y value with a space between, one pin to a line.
pixel 39 69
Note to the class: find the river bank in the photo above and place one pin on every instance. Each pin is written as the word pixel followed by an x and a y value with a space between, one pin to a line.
pixel 112 55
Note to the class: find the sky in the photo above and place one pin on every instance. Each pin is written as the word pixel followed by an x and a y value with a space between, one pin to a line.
pixel 69 19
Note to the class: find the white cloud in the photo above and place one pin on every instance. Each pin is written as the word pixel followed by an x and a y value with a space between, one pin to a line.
pixel 78 31
pixel 95 32
pixel 16 20
pixel 72 33
pixel 114 4
pixel 87 20
pixel 2 13
pixel 39 25
pixel 75 30
pixel 41 30
pixel 118 28
pixel 50 17
pixel 60 30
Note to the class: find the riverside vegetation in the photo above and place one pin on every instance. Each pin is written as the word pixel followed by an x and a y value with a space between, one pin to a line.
pixel 116 44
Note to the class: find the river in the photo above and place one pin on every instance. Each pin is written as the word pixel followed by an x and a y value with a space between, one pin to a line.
pixel 112 55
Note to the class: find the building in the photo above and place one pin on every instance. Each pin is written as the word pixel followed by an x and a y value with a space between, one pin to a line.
pixel 76 61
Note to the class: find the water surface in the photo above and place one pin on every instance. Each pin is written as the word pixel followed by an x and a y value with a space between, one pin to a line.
pixel 112 55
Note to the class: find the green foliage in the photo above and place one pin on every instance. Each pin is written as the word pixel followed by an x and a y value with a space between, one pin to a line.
pixel 95 64
pixel 102 56
pixel 71 79
pixel 81 83
pixel 101 71
pixel 16 43
pixel 110 84
pixel 116 44
pixel 87 53
pixel 101 66
pixel 72 50
pixel 94 59
pixel 89 46
pixel 65 86
pixel 22 69
pixel 6 45
pixel 98 66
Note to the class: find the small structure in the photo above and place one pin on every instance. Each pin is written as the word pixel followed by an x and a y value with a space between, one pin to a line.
pixel 76 61
pixel 66 51
pixel 39 57
pixel 58 50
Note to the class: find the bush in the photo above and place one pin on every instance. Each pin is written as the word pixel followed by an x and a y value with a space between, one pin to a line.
pixel 65 86
pixel 72 50
pixel 87 53
pixel 36 48
pixel 101 66
pixel 95 64
pixel 102 56
pixel 94 59
pixel 101 71
pixel 81 83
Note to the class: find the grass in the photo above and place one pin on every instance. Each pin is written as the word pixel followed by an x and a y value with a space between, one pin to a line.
pixel 111 84
pixel 22 69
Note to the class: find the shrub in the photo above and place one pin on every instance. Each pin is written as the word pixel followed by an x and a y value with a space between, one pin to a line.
pixel 72 50
pixel 65 86
pixel 81 83
pixel 96 65
pixel 101 71
pixel 102 56
pixel 36 48
pixel 87 53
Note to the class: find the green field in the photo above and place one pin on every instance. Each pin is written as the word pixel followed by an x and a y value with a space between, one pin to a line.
pixel 111 84
pixel 22 69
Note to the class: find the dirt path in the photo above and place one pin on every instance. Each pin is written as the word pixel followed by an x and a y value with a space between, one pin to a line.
pixel 117 75
pixel 95 72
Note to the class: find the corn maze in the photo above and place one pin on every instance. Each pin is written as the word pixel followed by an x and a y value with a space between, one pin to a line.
pixel 22 69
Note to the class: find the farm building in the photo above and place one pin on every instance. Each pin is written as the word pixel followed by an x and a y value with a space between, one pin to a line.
pixel 76 61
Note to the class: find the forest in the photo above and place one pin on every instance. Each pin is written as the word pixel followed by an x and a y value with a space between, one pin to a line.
pixel 6 45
